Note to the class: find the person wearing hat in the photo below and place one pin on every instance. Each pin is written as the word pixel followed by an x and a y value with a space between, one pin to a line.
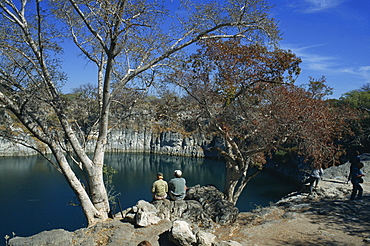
pixel 159 188
pixel 177 186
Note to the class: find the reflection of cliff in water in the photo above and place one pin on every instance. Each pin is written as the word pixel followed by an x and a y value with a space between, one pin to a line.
pixel 195 170
pixel 130 166
pixel 25 164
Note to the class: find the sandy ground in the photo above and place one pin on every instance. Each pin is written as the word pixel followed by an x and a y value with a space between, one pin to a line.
pixel 329 221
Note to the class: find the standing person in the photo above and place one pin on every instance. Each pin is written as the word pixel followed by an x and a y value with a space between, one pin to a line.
pixel 177 186
pixel 159 188
pixel 355 160
pixel 315 177
pixel 356 179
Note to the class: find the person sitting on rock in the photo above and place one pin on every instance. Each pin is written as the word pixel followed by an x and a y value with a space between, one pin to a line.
pixel 159 188
pixel 177 186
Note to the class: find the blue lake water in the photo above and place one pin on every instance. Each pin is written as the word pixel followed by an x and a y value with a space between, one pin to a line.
pixel 35 197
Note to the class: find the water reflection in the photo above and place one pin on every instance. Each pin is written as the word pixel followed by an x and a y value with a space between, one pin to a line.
pixel 137 172
pixel 145 166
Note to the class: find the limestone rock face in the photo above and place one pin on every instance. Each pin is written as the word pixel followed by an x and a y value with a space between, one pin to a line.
pixel 9 148
pixel 147 141
pixel 130 140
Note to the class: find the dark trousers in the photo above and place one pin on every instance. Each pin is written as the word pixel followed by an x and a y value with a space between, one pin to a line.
pixel 356 190
pixel 313 181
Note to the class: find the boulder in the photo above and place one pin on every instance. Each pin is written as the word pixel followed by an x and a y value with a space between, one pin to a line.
pixel 146 214
pixel 45 238
pixel 188 210
pixel 203 206
pixel 205 238
pixel 142 214
pixel 214 203
pixel 182 234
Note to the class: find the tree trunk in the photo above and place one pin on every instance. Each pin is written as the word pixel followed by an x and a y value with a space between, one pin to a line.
pixel 98 191
pixel 236 179
pixel 232 179
pixel 92 212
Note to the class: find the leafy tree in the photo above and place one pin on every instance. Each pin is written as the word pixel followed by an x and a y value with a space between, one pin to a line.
pixel 245 93
pixel 318 88
pixel 359 100
pixel 132 45
pixel 365 87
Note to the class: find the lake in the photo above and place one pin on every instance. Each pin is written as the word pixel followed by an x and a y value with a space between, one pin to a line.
pixel 35 197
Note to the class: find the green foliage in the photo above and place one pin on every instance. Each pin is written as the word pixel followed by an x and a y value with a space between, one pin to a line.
pixel 285 156
pixel 108 173
pixel 357 99
pixel 281 156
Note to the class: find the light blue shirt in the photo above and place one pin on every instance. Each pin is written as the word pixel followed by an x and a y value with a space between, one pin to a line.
pixel 177 187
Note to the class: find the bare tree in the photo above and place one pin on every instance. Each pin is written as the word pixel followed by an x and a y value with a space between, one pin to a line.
pixel 132 44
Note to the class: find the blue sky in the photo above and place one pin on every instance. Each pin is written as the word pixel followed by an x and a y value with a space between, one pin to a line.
pixel 331 36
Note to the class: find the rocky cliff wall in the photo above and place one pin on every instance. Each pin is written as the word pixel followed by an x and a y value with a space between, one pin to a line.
pixel 10 148
pixel 168 143
pixel 300 172
pixel 127 140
